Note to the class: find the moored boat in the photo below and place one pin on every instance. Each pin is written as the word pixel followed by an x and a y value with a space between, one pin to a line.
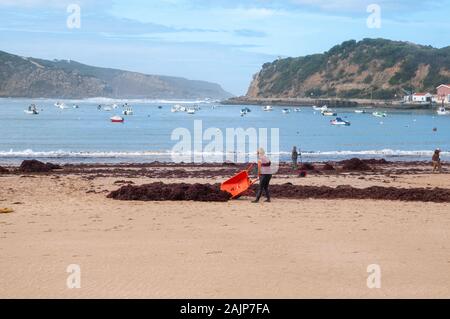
pixel 322 108
pixel 329 113
pixel 32 110
pixel 442 111
pixel 128 111
pixel 117 119
pixel 379 114
pixel 340 122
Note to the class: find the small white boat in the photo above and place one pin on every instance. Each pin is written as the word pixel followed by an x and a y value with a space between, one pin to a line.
pixel 61 106
pixel 360 111
pixel 340 122
pixel 75 106
pixel 328 113
pixel 243 112
pixel 297 109
pixel 379 114
pixel 286 111
pixel 117 119
pixel 267 108
pixel 32 110
pixel 322 108
pixel 180 108
pixel 442 111
pixel 107 109
pixel 191 110
pixel 128 111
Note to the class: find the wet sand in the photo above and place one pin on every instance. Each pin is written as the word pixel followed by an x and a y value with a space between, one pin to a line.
pixel 290 248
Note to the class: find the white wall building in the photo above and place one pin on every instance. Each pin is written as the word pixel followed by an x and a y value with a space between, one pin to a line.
pixel 422 97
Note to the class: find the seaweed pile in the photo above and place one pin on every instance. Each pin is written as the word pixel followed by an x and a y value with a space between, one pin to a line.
pixel 3 170
pixel 355 164
pixel 171 192
pixel 290 191
pixel 212 193
pixel 34 166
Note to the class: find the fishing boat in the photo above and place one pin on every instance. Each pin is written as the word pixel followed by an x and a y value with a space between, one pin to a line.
pixel 107 108
pixel 297 109
pixel 32 110
pixel 360 111
pixel 191 110
pixel 340 122
pixel 328 113
pixel 379 114
pixel 75 106
pixel 61 106
pixel 243 112
pixel 286 111
pixel 128 111
pixel 117 119
pixel 442 111
pixel 267 108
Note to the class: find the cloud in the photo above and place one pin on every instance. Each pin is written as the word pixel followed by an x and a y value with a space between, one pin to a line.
pixel 250 33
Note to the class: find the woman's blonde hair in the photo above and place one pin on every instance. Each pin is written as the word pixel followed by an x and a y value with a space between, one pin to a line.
pixel 261 151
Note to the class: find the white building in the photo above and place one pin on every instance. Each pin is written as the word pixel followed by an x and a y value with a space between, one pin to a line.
pixel 422 97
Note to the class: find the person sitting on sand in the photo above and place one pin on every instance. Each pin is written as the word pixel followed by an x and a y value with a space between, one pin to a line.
pixel 294 157
pixel 265 175
pixel 437 166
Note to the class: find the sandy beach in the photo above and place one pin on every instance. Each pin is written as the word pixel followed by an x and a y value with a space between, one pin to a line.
pixel 309 248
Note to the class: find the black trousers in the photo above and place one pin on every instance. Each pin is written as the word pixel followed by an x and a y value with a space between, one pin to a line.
pixel 264 186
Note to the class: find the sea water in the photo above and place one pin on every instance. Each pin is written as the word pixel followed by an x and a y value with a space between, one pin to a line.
pixel 87 135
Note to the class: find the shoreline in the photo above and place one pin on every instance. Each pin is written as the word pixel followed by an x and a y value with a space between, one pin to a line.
pixel 331 102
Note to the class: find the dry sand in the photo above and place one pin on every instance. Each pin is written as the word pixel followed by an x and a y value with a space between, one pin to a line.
pixel 285 249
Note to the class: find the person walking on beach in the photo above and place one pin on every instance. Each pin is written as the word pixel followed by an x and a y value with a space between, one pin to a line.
pixel 437 166
pixel 294 157
pixel 265 175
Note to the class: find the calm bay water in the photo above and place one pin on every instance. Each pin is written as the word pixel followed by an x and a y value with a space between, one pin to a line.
pixel 87 135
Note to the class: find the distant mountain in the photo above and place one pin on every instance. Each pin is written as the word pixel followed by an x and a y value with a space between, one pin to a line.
pixel 375 68
pixel 36 78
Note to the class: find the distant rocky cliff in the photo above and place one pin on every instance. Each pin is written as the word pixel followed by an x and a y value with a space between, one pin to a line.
pixel 36 78
pixel 371 68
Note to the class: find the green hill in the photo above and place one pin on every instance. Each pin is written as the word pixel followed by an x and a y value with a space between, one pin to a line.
pixel 369 68
pixel 37 78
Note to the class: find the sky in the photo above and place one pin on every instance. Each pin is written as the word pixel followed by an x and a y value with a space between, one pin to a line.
pixel 222 41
